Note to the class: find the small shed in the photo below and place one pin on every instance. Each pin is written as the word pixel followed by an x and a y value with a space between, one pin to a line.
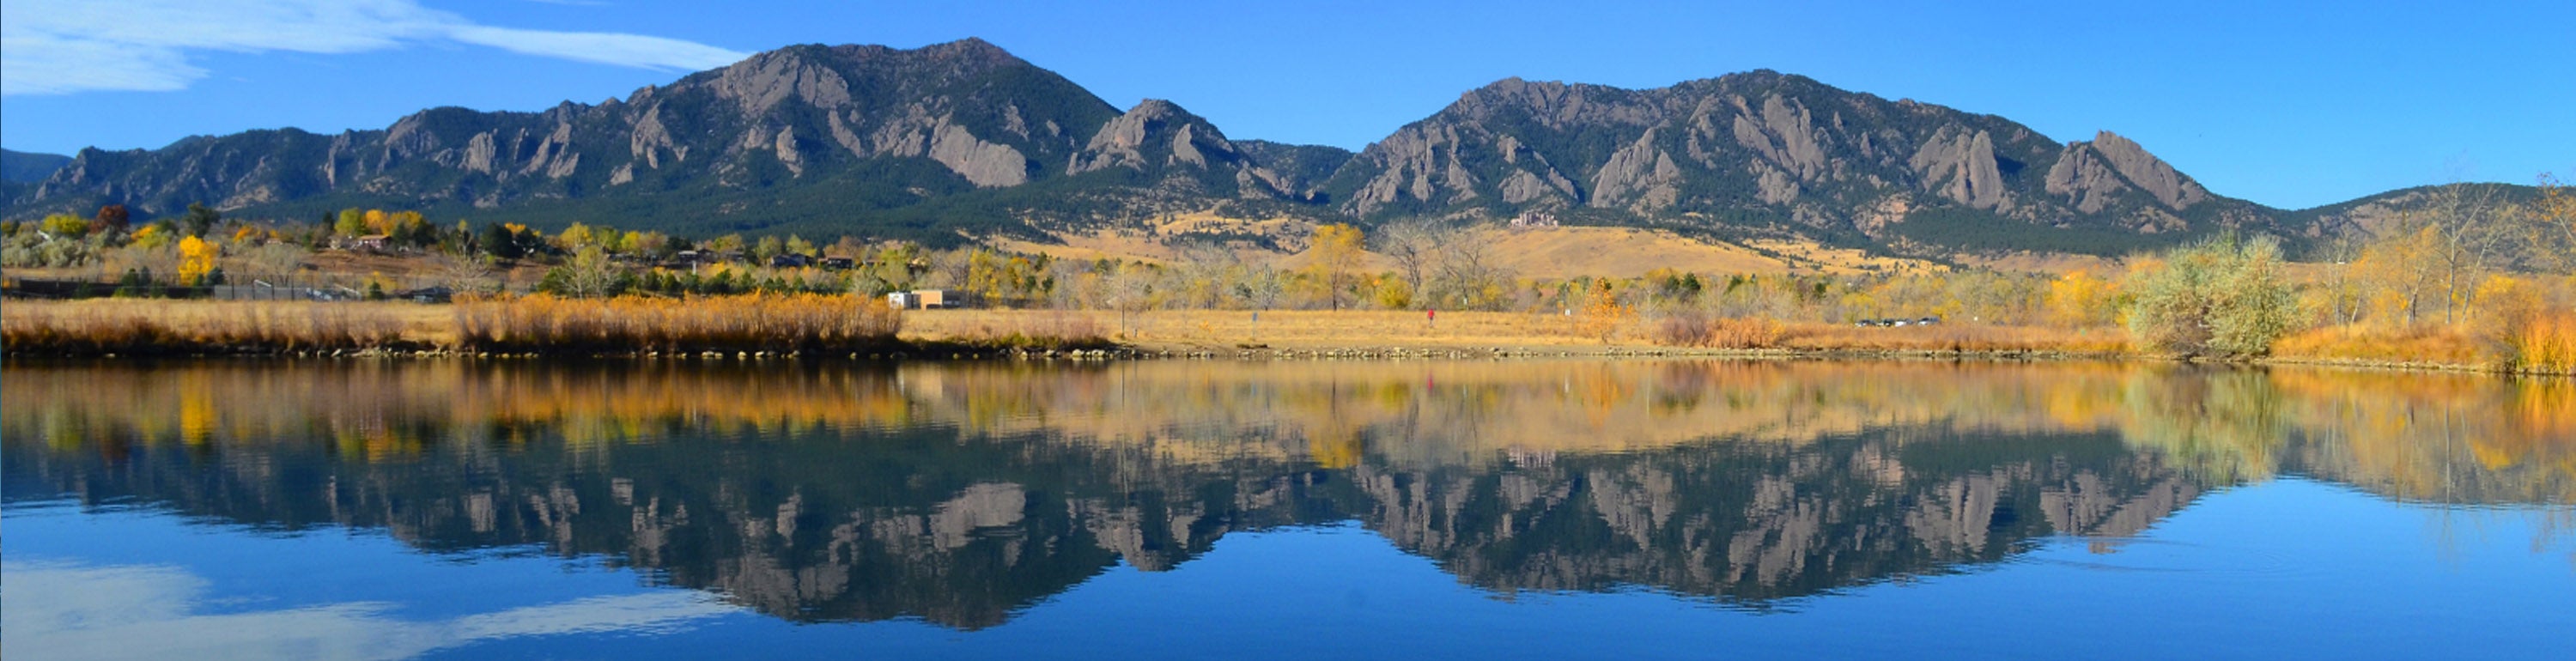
pixel 926 299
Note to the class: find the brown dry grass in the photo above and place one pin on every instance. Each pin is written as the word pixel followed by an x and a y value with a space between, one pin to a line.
pixel 118 326
pixel 1956 337
pixel 536 324
pixel 629 325
pixel 1286 329
pixel 1718 333
pixel 2429 344
pixel 1049 329
pixel 2044 262
pixel 1318 329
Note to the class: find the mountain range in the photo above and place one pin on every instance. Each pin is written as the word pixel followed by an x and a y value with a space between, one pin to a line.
pixel 962 141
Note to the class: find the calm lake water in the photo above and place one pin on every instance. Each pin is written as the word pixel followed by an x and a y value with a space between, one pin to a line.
pixel 1575 509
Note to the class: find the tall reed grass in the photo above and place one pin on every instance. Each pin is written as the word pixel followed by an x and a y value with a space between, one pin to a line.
pixel 136 328
pixel 2547 344
pixel 633 325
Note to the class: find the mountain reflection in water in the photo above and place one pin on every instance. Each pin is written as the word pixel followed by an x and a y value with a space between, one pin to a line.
pixel 962 493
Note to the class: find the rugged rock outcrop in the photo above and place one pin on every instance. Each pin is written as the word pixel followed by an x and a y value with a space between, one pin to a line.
pixel 2098 174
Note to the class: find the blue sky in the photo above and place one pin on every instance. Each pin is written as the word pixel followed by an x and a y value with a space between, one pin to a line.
pixel 2288 104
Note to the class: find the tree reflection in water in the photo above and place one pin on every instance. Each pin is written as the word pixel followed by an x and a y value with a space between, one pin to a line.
pixel 962 493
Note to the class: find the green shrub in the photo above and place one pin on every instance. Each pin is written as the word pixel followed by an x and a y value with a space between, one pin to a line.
pixel 2221 297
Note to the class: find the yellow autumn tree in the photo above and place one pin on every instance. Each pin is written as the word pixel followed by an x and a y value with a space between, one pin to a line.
pixel 2080 299
pixel 2505 304
pixel 1334 254
pixel 1603 314
pixel 401 223
pixel 1391 293
pixel 576 237
pixel 196 260
pixel 63 224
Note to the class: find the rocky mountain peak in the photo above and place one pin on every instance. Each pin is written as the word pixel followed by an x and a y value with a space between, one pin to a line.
pixel 1154 134
pixel 2092 174
pixel 1554 104
pixel 758 83
pixel 2148 172
pixel 972 49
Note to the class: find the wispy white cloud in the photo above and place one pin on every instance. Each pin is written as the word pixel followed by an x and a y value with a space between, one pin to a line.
pixel 69 611
pixel 68 46
pixel 601 47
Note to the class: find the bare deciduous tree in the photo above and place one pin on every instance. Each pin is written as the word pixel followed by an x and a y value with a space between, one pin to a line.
pixel 1415 246
pixel 274 259
pixel 1467 275
pixel 1204 268
pixel 464 272
pixel 2473 234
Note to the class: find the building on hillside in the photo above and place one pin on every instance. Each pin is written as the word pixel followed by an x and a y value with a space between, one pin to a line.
pixel 375 242
pixel 1534 219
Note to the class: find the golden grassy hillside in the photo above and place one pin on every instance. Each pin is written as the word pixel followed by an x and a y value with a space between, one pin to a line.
pixel 1546 252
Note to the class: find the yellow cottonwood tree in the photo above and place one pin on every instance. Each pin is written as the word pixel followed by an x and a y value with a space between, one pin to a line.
pixel 1335 253
pixel 2080 299
pixel 196 259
